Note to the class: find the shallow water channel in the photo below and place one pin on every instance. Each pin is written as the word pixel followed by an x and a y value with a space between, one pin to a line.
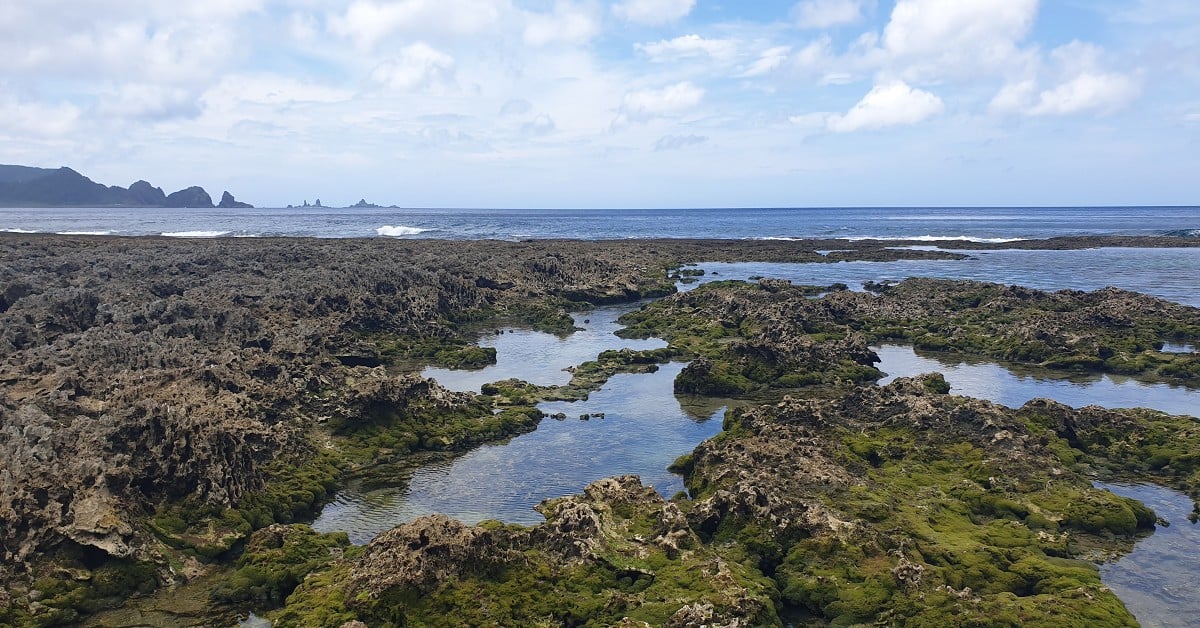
pixel 646 426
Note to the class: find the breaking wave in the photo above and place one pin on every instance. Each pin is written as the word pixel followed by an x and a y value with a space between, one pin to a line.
pixel 195 234
pixel 400 230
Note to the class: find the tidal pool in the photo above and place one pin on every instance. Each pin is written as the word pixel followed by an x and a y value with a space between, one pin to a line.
pixel 1157 581
pixel 1014 385
pixel 644 429
pixel 540 358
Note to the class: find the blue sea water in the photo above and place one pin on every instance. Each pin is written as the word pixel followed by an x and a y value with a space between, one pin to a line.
pixel 935 224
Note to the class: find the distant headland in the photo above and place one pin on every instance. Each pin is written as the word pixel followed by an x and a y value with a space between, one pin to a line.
pixel 23 186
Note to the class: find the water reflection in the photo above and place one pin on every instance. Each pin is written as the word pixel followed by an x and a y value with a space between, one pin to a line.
pixel 645 428
pixel 1172 274
pixel 1013 385
pixel 1157 580
pixel 539 358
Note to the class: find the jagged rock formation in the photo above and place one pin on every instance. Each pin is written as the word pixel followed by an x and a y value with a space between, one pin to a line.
pixel 228 202
pixel 145 379
pixel 137 372
pixel 617 553
pixel 897 504
pixel 773 334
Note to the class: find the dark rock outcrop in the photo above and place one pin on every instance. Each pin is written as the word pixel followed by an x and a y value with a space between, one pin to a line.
pixel 64 187
pixel 228 202
pixel 190 197
pixel 145 194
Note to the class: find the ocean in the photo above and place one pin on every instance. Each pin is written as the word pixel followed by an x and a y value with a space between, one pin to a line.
pixel 934 224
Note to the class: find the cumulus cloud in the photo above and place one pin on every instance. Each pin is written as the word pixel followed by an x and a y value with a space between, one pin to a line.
pixel 889 104
pixel 369 22
pixel 539 126
pixel 37 119
pixel 827 13
pixel 1081 86
pixel 418 65
pixel 568 23
pixel 1103 93
pixel 651 103
pixel 145 102
pixel 951 39
pixel 652 12
pixel 677 142
pixel 688 46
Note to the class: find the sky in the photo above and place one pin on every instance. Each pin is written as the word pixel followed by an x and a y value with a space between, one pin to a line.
pixel 624 103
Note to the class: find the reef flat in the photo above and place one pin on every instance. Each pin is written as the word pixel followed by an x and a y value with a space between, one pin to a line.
pixel 173 407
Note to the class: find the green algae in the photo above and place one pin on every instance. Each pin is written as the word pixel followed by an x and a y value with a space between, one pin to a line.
pixel 627 578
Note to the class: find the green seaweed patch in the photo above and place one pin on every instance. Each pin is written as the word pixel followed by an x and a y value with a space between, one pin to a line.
pixel 295 489
pixel 452 353
pixel 276 561
pixel 70 588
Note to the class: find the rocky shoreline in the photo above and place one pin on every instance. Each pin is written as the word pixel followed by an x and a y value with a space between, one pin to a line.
pixel 163 400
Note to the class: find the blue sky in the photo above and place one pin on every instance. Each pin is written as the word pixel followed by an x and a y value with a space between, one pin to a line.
pixel 583 103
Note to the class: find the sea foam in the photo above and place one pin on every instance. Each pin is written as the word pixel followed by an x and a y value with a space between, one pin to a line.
pixel 85 233
pixel 18 230
pixel 930 238
pixel 195 234
pixel 399 230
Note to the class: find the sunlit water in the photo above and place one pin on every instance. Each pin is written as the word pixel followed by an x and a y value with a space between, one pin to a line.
pixel 973 377
pixel 1172 274
pixel 645 428
pixel 541 358
pixel 1157 581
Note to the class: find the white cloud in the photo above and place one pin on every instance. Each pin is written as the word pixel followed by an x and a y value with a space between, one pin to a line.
pixel 539 126
pixel 652 103
pixel 418 65
pixel 688 46
pixel 951 39
pixel 767 62
pixel 568 23
pixel 271 90
pixel 827 13
pixel 368 22
pixel 33 119
pixel 678 142
pixel 1101 93
pixel 1192 117
pixel 1082 85
pixel 652 12
pixel 140 101
pixel 889 104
